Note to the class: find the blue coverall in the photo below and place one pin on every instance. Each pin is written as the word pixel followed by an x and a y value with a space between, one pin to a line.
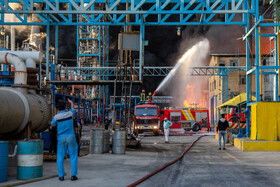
pixel 66 141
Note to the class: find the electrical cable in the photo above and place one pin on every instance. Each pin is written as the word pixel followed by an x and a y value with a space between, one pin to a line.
pixel 164 166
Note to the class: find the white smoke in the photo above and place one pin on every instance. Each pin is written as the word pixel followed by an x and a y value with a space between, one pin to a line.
pixel 191 89
pixel 179 77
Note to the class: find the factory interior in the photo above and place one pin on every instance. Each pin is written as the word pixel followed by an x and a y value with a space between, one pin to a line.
pixel 148 84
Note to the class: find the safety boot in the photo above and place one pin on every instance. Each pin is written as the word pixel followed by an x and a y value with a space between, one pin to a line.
pixel 74 178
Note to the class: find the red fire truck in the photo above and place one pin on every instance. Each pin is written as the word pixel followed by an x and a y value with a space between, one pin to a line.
pixel 146 118
pixel 187 118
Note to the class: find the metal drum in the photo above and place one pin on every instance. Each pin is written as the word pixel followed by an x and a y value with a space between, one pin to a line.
pixel 4 151
pixel 119 142
pixel 106 141
pixel 47 140
pixel 30 159
pixel 97 141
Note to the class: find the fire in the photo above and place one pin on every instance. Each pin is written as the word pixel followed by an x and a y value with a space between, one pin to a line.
pixel 194 99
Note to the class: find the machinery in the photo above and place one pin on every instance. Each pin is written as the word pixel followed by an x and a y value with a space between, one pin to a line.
pixel 187 118
pixel 146 118
pixel 22 111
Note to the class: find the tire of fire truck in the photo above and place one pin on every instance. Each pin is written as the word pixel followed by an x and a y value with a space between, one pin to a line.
pixel 196 127
pixel 156 133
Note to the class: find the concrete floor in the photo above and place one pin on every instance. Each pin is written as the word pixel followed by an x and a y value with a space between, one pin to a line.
pixel 203 165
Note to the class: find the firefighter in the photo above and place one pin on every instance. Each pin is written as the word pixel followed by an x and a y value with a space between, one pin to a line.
pixel 143 96
pixel 107 122
pixel 166 125
pixel 149 96
pixel 222 127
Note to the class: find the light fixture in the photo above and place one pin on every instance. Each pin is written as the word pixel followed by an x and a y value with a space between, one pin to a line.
pixel 178 31
pixel 2 31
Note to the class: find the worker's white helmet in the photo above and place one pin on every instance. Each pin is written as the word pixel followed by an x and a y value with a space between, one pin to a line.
pixel 165 118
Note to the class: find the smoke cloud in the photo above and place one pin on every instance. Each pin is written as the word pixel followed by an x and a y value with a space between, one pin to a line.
pixel 183 87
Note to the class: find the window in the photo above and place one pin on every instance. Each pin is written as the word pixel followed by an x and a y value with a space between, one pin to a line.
pixel 222 63
pixel 233 62
pixel 242 79
pixel 214 84
pixel 233 94
pixel 146 111
pixel 266 78
pixel 268 95
pixel 175 117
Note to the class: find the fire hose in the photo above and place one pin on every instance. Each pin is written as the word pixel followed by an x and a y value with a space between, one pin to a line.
pixel 164 166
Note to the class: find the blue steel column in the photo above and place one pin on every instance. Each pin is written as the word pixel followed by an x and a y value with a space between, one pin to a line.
pixel 277 63
pixel 84 110
pixel 246 18
pixel 90 111
pixel 79 104
pixel 99 58
pixel 141 53
pixel 257 62
pixel 227 84
pixel 78 41
pixel 47 49
pixel 107 63
pixel 53 87
pixel 223 86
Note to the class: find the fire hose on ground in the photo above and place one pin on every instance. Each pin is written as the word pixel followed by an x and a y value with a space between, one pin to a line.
pixel 164 166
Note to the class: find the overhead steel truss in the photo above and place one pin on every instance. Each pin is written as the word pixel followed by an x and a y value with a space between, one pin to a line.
pixel 153 12
pixel 113 12
pixel 84 73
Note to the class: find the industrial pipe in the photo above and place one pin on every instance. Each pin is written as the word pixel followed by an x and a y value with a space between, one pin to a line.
pixel 30 63
pixel 37 56
pixel 15 152
pixel 18 63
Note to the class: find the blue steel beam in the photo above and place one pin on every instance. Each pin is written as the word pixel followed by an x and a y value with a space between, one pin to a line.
pixel 98 12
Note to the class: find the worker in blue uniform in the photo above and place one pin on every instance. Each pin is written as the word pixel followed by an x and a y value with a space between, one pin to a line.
pixel 63 120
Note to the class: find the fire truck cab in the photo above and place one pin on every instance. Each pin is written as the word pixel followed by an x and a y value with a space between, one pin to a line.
pixel 146 118
pixel 187 118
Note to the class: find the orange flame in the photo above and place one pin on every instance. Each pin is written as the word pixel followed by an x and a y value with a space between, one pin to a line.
pixel 192 99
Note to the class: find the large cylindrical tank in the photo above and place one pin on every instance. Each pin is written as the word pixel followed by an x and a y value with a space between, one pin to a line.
pixel 20 107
